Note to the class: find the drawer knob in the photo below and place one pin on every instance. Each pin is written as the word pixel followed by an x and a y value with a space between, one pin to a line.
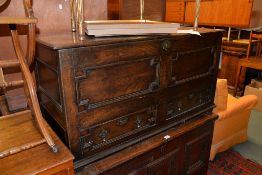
pixel 190 96
pixel 138 122
pixel 179 106
pixel 152 120
pixel 103 135
pixel 122 121
pixel 166 45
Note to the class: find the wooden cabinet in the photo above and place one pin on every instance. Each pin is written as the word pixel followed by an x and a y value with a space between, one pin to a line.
pixel 106 94
pixel 130 9
pixel 184 151
pixel 175 11
pixel 234 13
pixel 233 52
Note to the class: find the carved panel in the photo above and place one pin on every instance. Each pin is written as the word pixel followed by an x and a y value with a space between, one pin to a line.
pixel 196 64
pixel 113 131
pixel 106 84
pixel 48 83
pixel 167 164
pixel 196 159
pixel 183 100
pixel 190 102
pixel 112 53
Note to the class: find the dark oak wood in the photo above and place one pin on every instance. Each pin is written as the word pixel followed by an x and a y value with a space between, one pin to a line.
pixel 105 94
pixel 185 151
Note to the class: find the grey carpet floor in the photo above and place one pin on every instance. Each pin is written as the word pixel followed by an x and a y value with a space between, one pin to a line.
pixel 252 149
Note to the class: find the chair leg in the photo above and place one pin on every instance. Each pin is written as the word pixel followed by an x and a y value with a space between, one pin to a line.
pixel 237 79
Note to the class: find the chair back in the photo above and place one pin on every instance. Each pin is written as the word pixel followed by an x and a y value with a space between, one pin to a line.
pixel 28 82
pixel 257 40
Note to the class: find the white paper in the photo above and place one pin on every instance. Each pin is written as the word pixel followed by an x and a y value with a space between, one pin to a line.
pixel 193 32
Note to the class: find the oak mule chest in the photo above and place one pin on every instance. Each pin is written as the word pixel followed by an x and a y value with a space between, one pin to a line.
pixel 102 95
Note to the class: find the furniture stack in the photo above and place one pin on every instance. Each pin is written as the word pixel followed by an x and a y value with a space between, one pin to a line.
pixel 111 96
pixel 230 13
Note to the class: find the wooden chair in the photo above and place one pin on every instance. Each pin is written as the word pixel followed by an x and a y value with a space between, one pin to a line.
pixel 254 62
pixel 15 128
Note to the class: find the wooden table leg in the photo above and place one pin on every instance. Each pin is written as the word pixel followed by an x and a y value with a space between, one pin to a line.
pixel 239 68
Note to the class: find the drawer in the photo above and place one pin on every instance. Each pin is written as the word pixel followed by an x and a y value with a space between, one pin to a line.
pixel 117 130
pixel 183 100
pixel 137 165
pixel 158 157
pixel 93 56
pixel 107 84
pixel 158 161
pixel 189 65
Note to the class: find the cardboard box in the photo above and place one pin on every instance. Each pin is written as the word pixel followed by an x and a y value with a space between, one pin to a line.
pixel 255 88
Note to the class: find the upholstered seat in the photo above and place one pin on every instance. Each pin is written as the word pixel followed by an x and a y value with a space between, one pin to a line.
pixel 232 124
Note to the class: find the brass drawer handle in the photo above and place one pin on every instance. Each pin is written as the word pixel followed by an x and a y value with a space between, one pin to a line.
pixel 179 106
pixel 166 45
pixel 190 96
pixel 122 121
pixel 138 122
pixel 104 134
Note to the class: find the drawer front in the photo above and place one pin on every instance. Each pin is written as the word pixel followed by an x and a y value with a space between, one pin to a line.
pixel 117 130
pixel 186 154
pixel 191 57
pixel 94 56
pixel 184 101
pixel 137 165
pixel 159 161
pixel 193 64
pixel 107 84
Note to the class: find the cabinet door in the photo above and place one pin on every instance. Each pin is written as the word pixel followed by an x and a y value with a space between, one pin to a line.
pixel 196 153
pixel 168 164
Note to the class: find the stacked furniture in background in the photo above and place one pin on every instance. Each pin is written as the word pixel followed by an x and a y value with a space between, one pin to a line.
pixel 233 52
pixel 130 10
pixel 230 13
pixel 251 61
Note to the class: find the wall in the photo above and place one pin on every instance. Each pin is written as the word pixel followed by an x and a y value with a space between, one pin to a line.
pixel 51 18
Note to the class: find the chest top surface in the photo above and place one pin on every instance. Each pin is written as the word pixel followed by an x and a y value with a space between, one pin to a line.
pixel 71 40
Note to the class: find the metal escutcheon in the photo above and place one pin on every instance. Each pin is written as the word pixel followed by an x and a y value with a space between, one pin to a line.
pixel 166 45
